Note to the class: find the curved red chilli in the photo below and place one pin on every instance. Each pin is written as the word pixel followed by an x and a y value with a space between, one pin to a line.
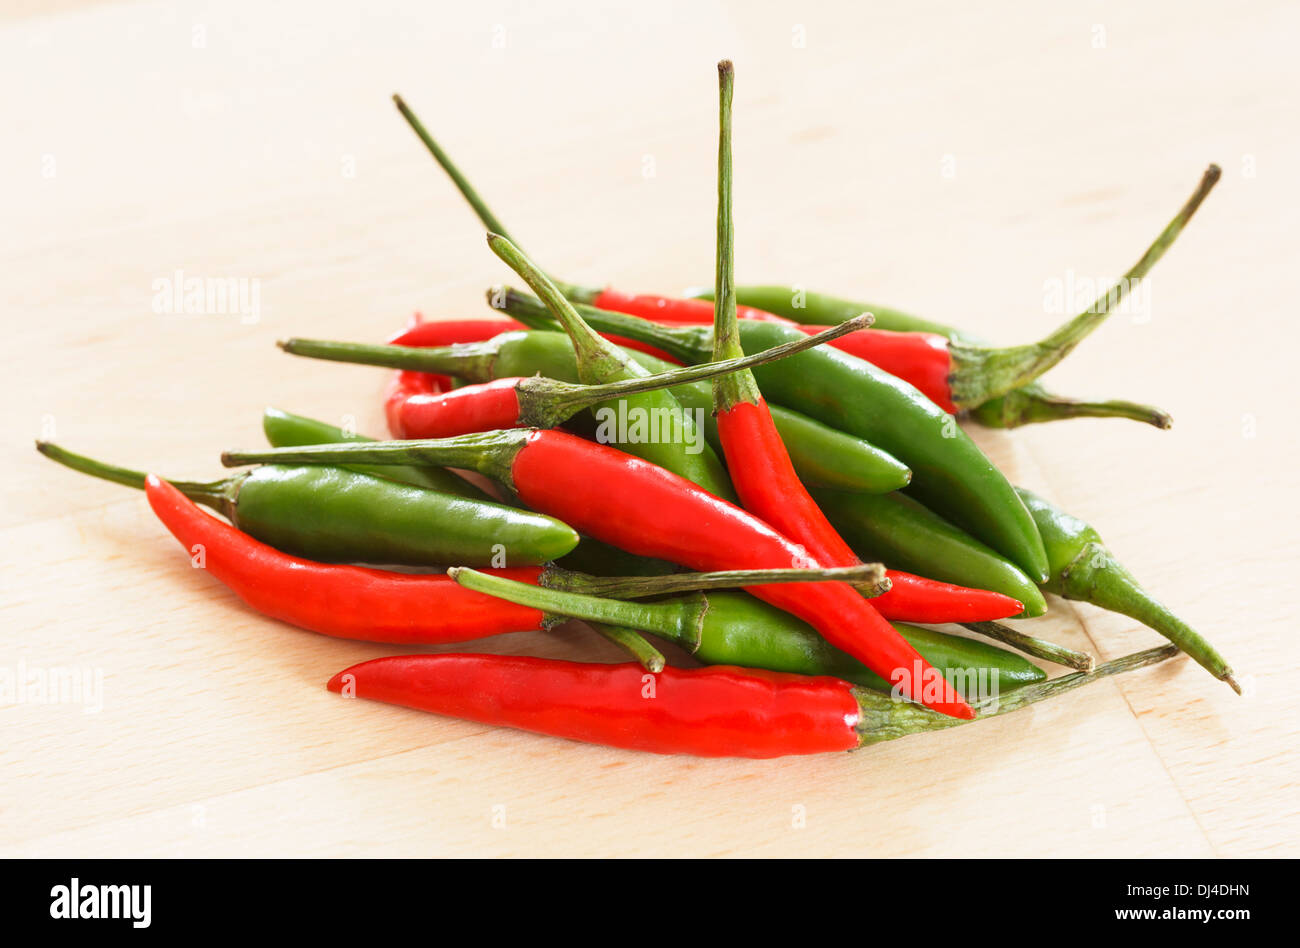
pixel 921 358
pixel 350 602
pixel 708 712
pixel 645 509
pixel 768 485
pixel 486 407
pixel 403 385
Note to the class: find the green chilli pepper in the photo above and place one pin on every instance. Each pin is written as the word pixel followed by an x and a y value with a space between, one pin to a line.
pixel 949 472
pixel 1084 569
pixel 905 535
pixel 822 455
pixel 332 514
pixel 286 430
pixel 733 628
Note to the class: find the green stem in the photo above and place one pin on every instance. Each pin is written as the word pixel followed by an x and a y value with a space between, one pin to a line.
pixel 598 359
pixel 1039 648
pixel 470 360
pixel 637 587
pixel 1096 577
pixel 283 429
pixel 688 343
pixel 485 215
pixel 980 373
pixel 676 620
pixel 1032 404
pixel 885 719
pixel 635 644
pixel 462 183
pixel 729 390
pixel 219 495
pixel 491 453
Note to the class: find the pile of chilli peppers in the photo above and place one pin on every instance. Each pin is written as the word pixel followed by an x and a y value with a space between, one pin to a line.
pixel 772 480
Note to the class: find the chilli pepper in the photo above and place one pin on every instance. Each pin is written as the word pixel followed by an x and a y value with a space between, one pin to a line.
pixel 822 455
pixel 957 374
pixel 949 472
pixel 534 401
pixel 653 512
pixel 284 429
pixel 333 514
pixel 354 602
pixel 708 712
pixel 730 628
pixel 903 534
pixel 756 457
pixel 1084 569
pixel 350 602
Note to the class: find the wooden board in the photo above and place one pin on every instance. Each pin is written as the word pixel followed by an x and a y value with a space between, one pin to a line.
pixel 947 159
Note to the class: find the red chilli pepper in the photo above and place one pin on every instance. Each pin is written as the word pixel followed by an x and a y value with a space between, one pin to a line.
pixel 708 712
pixel 718 711
pixel 405 385
pixel 912 598
pixel 349 602
pixel 448 332
pixel 464 410
pixel 760 466
pixel 645 509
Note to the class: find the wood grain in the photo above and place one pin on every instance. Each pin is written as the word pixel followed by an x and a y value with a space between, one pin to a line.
pixel 257 141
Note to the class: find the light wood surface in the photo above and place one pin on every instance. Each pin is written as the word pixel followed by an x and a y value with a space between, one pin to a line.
pixel 257 141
